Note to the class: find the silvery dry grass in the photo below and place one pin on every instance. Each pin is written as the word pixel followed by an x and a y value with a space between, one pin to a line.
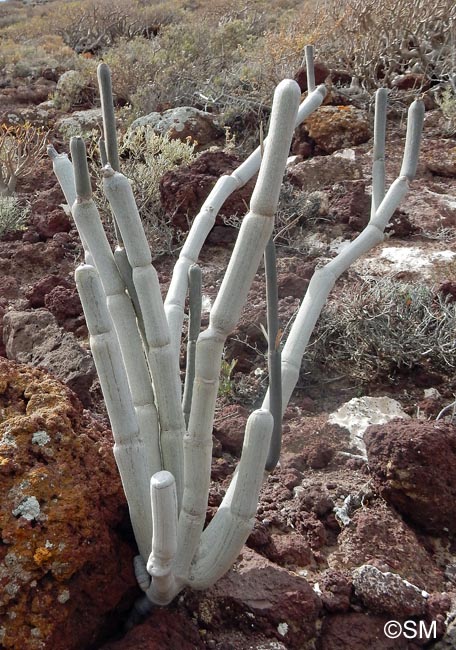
pixel 384 327
pixel 13 215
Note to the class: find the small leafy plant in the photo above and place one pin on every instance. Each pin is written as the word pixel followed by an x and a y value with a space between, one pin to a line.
pixel 13 215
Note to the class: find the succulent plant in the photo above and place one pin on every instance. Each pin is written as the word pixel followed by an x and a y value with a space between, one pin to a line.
pixel 163 444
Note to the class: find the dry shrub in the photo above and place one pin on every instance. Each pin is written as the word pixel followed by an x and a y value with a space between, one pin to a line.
pixel 145 158
pixel 377 41
pixel 133 64
pixel 13 214
pixel 25 59
pixel 21 147
pixel 95 25
pixel 77 87
pixel 447 104
pixel 370 40
pixel 385 327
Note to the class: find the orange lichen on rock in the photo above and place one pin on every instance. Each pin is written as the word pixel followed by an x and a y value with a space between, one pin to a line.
pixel 61 503
pixel 42 555
pixel 338 127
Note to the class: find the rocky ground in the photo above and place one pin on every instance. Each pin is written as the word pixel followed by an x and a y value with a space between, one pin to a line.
pixel 354 528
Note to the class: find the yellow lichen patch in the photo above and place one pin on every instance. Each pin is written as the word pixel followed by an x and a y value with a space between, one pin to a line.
pixel 42 555
pixel 77 500
pixel 338 127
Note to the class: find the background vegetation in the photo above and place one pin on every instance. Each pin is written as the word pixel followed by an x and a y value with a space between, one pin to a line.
pixel 225 58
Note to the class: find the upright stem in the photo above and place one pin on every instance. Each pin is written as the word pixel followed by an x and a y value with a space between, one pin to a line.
pixel 378 163
pixel 109 149
pixel 310 67
pixel 274 354
pixel 194 327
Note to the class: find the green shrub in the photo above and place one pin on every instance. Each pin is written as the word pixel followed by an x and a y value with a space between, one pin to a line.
pixel 13 214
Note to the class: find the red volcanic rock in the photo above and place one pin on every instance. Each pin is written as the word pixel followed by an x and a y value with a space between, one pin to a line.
pixel 9 287
pixel 2 345
pixel 340 77
pixel 448 289
pixel 63 564
pixel 321 73
pixel 64 303
pixel 183 191
pixel 411 81
pixel 256 595
pixel 164 629
pixel 291 284
pixel 353 631
pixel 35 255
pixel 336 589
pixel 311 443
pixel 47 226
pixel 413 464
pixel 230 428
pixel 378 536
pixel 36 294
pixel 400 225
pixel 387 593
pixel 437 608
pixel 302 145
pixel 291 550
pixel 442 161
pixel 351 205
pixel 24 94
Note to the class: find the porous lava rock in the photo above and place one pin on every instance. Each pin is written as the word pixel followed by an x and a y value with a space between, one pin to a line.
pixel 387 593
pixel 230 428
pixel 64 303
pixel 184 190
pixel 378 536
pixel 37 292
pixel 338 127
pixel 357 631
pixel 323 171
pixel 413 464
pixel 46 226
pixel 63 562
pixel 9 287
pixel 448 289
pixel 3 304
pixel 442 161
pixel 165 629
pixel 25 94
pixel 35 337
pixel 411 81
pixel 290 550
pixel 335 590
pixel 350 204
pixel 256 595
